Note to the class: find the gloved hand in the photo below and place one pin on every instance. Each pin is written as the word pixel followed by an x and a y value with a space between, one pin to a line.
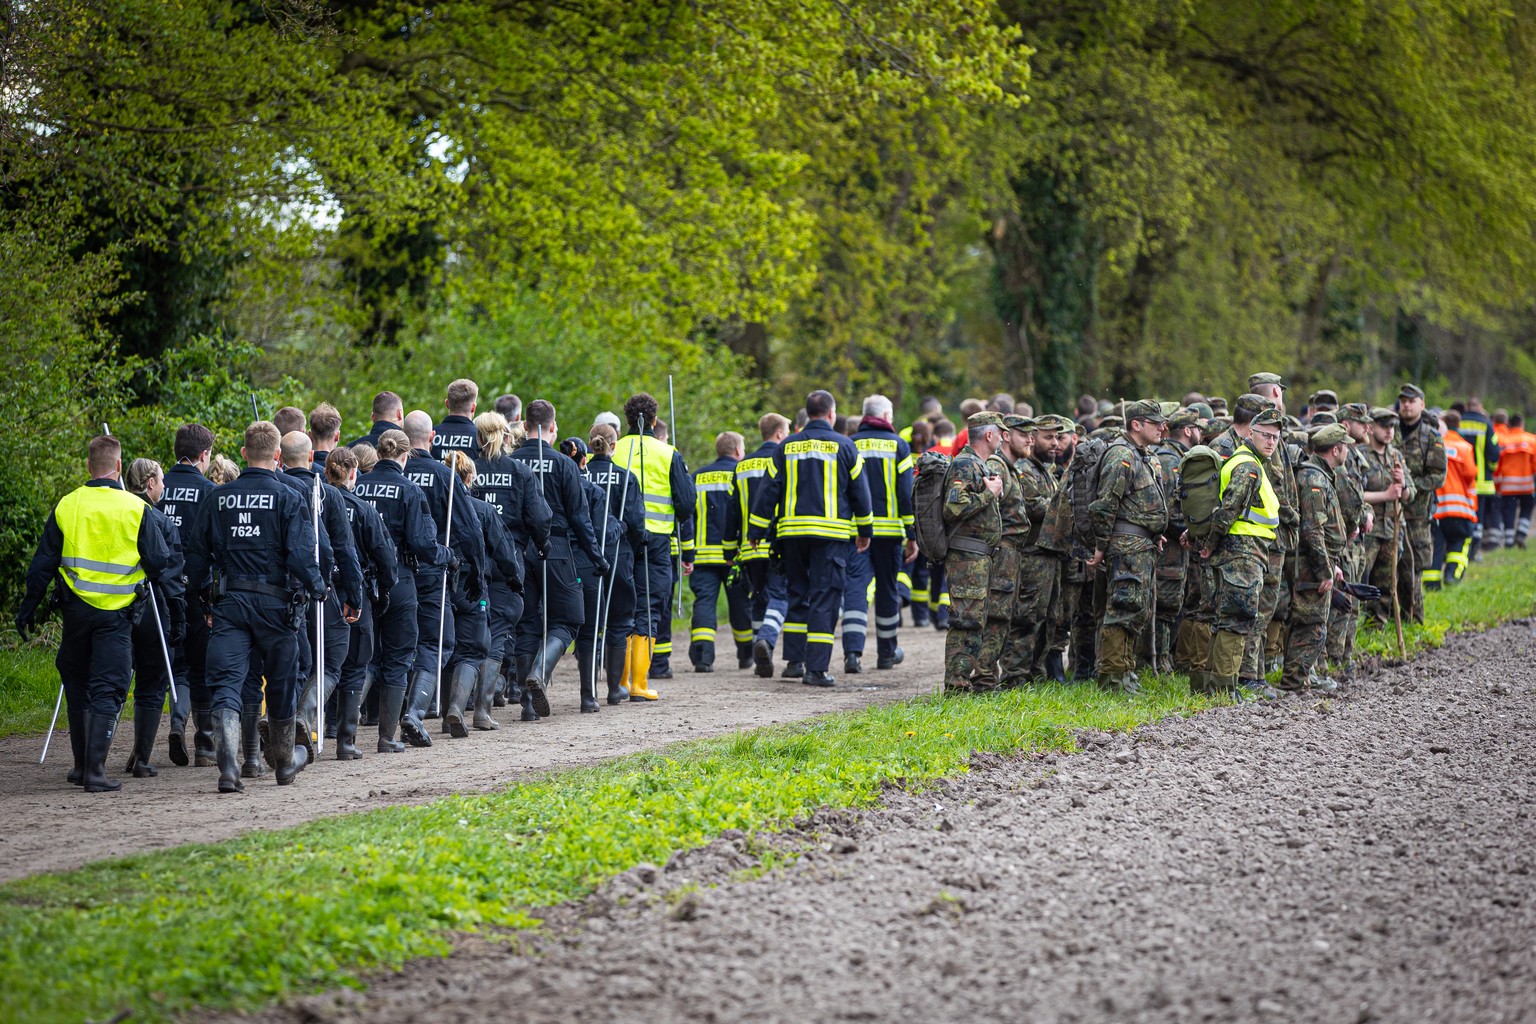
pixel 381 606
pixel 515 583
pixel 26 619
pixel 475 588
pixel 177 631
pixel 544 552
pixel 601 567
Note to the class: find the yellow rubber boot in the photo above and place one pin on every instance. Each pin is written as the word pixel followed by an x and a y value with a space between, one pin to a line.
pixel 640 668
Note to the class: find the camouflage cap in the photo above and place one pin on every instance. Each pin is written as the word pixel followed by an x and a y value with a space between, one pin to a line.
pixel 1184 418
pixel 1255 379
pixel 1146 409
pixel 1169 408
pixel 1292 423
pixel 1381 414
pixel 1051 421
pixel 984 419
pixel 1253 404
pixel 1115 422
pixel 1268 416
pixel 1410 391
pixel 1202 410
pixel 1019 424
pixel 1218 405
pixel 1323 417
pixel 1327 398
pixel 1355 412
pixel 1329 435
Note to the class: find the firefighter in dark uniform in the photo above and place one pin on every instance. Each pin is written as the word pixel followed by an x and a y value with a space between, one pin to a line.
pixel 186 487
pixel 626 532
pixel 434 584
pixel 666 492
pixel 765 583
pixel 456 432
pixel 103 544
pixel 510 487
pixel 817 497
pixel 255 536
pixel 408 518
pixel 888 468
pixel 553 610
pixel 712 550
pixel 342 607
pixel 380 564
pixel 388 414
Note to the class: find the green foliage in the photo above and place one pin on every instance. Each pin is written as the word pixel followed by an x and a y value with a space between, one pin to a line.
pixel 298 909
pixel 29 683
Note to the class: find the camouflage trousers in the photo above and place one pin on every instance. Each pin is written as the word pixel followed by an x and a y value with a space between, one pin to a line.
pixel 1129 599
pixel 1344 614
pixel 1274 638
pixel 1269 600
pixel 1024 647
pixel 1410 588
pixel 974 641
pixel 1171 573
pixel 1238 570
pixel 1073 623
pixel 1378 572
pixel 1307 640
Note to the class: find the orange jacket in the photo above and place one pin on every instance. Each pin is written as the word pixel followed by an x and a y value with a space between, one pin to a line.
pixel 1516 471
pixel 1457 497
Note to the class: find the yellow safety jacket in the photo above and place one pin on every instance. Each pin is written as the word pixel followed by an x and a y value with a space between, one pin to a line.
pixel 1259 520
pixel 651 462
pixel 100 562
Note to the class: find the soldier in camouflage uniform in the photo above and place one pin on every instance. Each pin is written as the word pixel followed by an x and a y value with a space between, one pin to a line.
pixel 1129 518
pixel 1024 653
pixel 1418 438
pixel 1320 557
pixel 1245 521
pixel 1281 573
pixel 1173 560
pixel 1072 606
pixel 974 522
pixel 1003 580
pixel 1388 486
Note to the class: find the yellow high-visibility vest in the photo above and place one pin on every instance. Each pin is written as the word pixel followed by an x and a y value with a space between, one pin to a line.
pixel 101 545
pixel 651 462
pixel 1259 520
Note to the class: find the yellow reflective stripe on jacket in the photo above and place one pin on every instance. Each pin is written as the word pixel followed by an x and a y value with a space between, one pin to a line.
pixel 651 462
pixel 1259 520
pixel 100 562
pixel 1479 454
pixel 882 455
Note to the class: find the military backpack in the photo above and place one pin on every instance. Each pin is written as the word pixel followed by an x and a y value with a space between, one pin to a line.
pixel 929 474
pixel 1200 492
pixel 1081 488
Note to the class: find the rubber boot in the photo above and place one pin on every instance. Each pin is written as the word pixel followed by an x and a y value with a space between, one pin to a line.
pixel 586 668
pixel 423 684
pixel 525 700
pixel 536 682
pixel 176 747
pixel 487 688
pixel 503 682
pixel 250 741
pixel 77 746
pixel 203 753
pixel 615 659
pixel 640 669
pixel 227 725
pixel 288 757
pixel 390 700
pixel 98 743
pixel 465 675
pixel 351 702
pixel 1055 667
pixel 146 724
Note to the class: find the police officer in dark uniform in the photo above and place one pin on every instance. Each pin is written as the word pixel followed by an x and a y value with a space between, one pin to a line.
pixel 103 544
pixel 186 487
pixel 434 618
pixel 406 515
pixel 157 630
pixel 814 532
pixel 765 582
pixel 626 530
pixel 380 564
pixel 713 549
pixel 510 487
pixel 342 607
pixel 888 460
pixel 553 610
pixel 255 535
pixel 456 431
pixel 388 414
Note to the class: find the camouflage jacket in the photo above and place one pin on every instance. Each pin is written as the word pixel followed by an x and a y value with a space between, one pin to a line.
pixel 1037 489
pixel 1378 477
pixel 1130 490
pixel 1169 455
pixel 1424 453
pixel 1322 524
pixel 1349 485
pixel 1011 502
pixel 969 508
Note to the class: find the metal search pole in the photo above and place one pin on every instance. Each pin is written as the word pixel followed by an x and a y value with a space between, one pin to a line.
pixel 314 504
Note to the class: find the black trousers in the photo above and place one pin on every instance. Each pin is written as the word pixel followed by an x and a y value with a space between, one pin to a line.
pixel 190 660
pixel 360 641
pixel 151 681
pixel 769 599
pixel 95 657
pixel 814 574
pixel 431 616
pixel 564 598
pixel 506 608
pixel 653 587
pixel 396 630
pixel 706 582
pixel 253 637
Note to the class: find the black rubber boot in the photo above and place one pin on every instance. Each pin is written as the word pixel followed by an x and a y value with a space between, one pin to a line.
pixel 465 675
pixel 541 671
pixel 98 742
pixel 411 727
pixel 146 725
pixel 525 698
pixel 587 669
pixel 288 748
pixel 1055 667
pixel 176 746
pixel 203 753
pixel 250 740
pixel 226 727
pixel 390 700
pixel 346 725
pixel 762 659
pixel 77 747
pixel 487 689
pixel 613 667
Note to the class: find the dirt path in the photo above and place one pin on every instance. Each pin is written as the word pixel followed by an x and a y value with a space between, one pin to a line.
pixel 1348 861
pixel 50 825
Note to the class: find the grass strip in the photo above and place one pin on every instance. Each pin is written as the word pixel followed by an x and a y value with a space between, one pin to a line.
pixel 1497 589
pixel 29 683
pixel 240 922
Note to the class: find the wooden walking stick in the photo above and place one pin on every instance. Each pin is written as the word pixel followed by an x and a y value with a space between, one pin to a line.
pixel 1397 608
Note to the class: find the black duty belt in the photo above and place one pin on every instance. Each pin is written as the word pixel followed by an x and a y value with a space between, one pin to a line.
pixel 971 546
pixel 1132 530
pixel 259 587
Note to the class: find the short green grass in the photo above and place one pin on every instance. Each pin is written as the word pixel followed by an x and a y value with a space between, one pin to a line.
pixel 243 921
pixel 1497 589
pixel 29 683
